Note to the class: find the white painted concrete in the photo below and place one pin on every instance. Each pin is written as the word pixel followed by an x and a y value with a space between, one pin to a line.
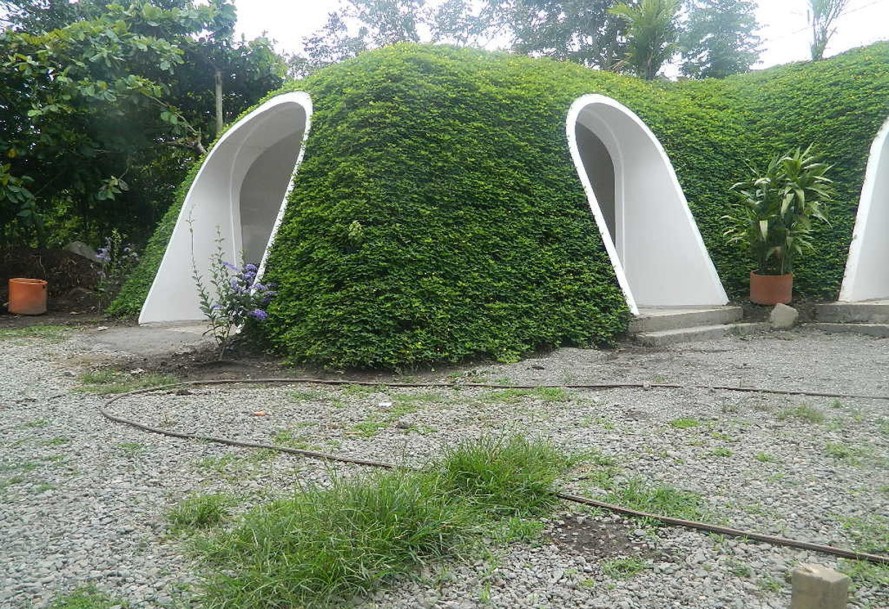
pixel 657 251
pixel 867 268
pixel 240 194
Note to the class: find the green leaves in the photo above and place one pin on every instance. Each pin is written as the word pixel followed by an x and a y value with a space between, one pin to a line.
pixel 773 216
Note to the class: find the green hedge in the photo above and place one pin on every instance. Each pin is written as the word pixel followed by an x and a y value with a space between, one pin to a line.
pixel 438 216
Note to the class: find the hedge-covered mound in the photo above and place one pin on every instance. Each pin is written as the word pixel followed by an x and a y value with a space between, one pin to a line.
pixel 438 216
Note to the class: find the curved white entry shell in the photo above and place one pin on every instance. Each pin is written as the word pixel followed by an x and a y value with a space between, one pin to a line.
pixel 867 268
pixel 640 209
pixel 239 195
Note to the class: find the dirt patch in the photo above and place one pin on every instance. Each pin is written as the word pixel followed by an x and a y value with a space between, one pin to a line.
pixel 601 540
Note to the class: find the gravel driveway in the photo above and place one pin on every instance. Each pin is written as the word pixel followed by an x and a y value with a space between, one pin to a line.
pixel 84 501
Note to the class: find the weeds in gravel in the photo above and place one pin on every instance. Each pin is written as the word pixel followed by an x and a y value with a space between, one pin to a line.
pixel 35 424
pixel 866 574
pixel 87 597
pixel 323 546
pixel 721 451
pixel 739 568
pixel 661 500
pixel 765 458
pixel 131 449
pixel 870 533
pixel 511 396
pixel 769 584
pixel 106 382
pixel 849 453
pixel 803 413
pixel 199 512
pixel 51 333
pixel 684 423
pixel 623 568
pixel 304 395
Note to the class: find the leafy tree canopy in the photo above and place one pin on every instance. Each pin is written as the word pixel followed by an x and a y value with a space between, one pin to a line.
pixel 719 38
pixel 652 30
pixel 102 108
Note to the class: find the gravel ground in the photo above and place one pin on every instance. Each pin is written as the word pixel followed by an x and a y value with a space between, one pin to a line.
pixel 84 501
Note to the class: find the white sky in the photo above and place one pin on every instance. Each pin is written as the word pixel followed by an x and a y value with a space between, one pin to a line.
pixel 784 29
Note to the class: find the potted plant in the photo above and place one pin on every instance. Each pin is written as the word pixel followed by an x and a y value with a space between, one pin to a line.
pixel 774 219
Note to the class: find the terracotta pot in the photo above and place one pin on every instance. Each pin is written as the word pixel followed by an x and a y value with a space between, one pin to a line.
pixel 771 289
pixel 27 296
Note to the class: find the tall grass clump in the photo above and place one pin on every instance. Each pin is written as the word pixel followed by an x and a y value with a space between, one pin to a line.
pixel 506 478
pixel 322 548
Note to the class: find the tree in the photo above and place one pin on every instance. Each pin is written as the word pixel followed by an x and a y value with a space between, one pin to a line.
pixel 356 26
pixel 719 38
pixel 822 16
pixel 103 111
pixel 652 30
pixel 583 31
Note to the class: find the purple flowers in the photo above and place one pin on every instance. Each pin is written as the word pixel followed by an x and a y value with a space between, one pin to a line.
pixel 233 298
pixel 258 314
pixel 103 254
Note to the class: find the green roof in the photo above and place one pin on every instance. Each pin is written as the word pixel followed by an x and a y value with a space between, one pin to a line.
pixel 438 216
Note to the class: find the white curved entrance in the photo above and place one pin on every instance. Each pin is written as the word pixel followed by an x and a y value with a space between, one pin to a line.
pixel 239 194
pixel 642 214
pixel 867 268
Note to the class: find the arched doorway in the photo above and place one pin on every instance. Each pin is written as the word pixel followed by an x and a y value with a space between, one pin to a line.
pixel 642 214
pixel 867 268
pixel 239 195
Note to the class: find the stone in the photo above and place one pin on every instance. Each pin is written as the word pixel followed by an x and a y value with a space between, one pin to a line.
pixel 783 317
pixel 817 587
pixel 82 249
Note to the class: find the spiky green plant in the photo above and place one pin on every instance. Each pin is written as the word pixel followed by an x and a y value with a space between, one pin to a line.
pixel 774 217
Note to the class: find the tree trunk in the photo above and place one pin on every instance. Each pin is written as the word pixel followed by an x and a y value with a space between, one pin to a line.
pixel 220 123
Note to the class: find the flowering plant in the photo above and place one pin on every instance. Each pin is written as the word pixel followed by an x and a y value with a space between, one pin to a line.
pixel 116 260
pixel 233 298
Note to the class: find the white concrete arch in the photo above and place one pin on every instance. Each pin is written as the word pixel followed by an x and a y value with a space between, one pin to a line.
pixel 642 214
pixel 867 268
pixel 240 194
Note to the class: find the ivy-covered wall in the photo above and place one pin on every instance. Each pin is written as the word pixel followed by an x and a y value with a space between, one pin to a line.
pixel 438 216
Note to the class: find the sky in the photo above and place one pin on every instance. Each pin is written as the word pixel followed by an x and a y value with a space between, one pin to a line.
pixel 784 30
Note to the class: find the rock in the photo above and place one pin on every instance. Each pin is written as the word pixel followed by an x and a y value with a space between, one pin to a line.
pixel 82 249
pixel 783 317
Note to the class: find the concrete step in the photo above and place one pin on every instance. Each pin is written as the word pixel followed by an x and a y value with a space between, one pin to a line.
pixel 663 338
pixel 878 330
pixel 669 318
pixel 868 312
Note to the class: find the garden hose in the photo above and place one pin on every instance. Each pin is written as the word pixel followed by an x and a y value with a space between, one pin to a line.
pixel 667 520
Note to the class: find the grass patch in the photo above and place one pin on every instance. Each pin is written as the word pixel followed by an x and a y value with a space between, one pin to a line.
pixel 369 428
pixel 417 399
pixel 58 441
pixel 304 395
pixel 865 574
pixel 35 424
pixel 684 423
pixel 88 597
pixel 198 512
pixel 721 451
pixel 869 533
pixel 623 568
pixel 54 333
pixel 844 452
pixel 803 413
pixel 322 547
pixel 130 449
pixel 765 458
pixel 106 382
pixel 511 396
pixel 660 500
